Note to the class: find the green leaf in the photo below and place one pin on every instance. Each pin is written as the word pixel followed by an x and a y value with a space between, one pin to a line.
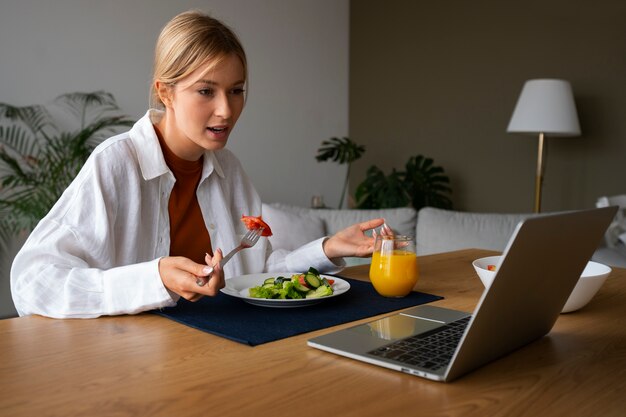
pixel 343 150
pixel 422 184
pixel 381 191
pixel 88 105
pixel 38 161
pixel 36 118
pixel 426 183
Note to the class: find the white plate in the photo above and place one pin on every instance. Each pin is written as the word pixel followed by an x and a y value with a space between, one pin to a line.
pixel 239 286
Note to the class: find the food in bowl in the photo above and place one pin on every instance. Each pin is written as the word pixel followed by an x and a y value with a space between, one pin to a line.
pixel 486 268
pixel 591 279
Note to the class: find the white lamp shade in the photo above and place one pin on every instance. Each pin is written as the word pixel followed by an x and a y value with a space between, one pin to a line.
pixel 545 106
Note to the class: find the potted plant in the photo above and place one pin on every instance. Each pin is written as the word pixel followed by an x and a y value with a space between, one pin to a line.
pixel 39 158
pixel 421 184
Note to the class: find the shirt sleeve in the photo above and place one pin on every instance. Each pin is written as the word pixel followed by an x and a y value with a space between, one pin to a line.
pixel 309 255
pixel 96 252
pixel 50 276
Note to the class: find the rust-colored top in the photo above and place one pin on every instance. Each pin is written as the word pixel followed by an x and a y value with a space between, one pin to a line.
pixel 189 236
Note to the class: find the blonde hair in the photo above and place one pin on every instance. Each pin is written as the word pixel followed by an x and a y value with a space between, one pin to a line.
pixel 188 41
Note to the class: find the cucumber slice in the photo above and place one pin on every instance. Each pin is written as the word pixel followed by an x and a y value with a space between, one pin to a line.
pixel 312 279
pixel 313 271
pixel 269 281
pixel 299 287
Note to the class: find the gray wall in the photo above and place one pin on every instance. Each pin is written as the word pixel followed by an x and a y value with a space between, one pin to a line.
pixel 298 92
pixel 298 53
pixel 441 78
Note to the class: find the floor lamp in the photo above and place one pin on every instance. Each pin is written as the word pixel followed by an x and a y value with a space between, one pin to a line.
pixel 546 108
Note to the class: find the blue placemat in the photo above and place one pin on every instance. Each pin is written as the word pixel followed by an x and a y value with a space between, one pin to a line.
pixel 237 320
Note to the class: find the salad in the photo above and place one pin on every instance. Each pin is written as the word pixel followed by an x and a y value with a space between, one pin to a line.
pixel 307 285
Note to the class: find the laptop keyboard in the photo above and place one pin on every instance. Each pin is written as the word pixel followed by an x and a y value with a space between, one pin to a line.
pixel 432 350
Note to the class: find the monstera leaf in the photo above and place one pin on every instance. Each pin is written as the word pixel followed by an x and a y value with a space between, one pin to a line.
pixel 381 191
pixel 422 184
pixel 343 151
pixel 426 183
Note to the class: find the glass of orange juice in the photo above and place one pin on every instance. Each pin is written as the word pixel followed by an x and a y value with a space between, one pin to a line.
pixel 394 271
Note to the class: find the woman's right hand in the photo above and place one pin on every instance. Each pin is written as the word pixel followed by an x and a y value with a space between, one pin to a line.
pixel 179 274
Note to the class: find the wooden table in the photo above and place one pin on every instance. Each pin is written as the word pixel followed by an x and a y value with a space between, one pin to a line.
pixel 147 365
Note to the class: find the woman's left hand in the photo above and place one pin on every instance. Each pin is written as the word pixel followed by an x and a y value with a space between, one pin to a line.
pixel 352 241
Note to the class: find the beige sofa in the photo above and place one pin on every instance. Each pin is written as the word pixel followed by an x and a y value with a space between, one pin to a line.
pixel 435 230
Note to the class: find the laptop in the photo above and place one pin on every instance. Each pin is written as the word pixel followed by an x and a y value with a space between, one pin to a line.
pixel 539 269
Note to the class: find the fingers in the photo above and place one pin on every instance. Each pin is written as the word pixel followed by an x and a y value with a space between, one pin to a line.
pixel 371 224
pixel 204 275
pixel 211 283
pixel 386 230
pixel 195 297
pixel 182 276
pixel 216 281
pixel 204 278
pixel 217 257
pixel 211 261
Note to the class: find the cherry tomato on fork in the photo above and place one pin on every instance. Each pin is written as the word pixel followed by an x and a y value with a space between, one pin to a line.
pixel 253 223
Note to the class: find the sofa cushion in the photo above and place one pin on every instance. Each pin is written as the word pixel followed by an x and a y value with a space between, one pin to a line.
pixel 447 230
pixel 614 256
pixel 294 226
pixel 402 220
pixel 291 230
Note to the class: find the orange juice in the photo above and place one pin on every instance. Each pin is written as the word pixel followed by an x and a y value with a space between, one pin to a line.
pixel 394 275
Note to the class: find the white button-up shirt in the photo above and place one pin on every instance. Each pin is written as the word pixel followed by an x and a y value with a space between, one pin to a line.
pixel 97 251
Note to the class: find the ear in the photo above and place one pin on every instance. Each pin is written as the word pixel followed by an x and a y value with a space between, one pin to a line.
pixel 164 92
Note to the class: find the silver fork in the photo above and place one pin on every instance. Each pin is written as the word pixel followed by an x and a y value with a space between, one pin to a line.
pixel 247 241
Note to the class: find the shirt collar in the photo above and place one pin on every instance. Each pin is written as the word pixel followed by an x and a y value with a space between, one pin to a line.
pixel 149 153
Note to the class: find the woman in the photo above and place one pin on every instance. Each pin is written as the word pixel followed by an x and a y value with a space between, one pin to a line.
pixel 136 229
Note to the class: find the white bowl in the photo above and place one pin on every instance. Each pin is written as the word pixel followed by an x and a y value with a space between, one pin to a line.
pixel 485 275
pixel 590 281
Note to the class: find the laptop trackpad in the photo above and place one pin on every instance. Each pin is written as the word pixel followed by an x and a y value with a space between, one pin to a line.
pixel 396 327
